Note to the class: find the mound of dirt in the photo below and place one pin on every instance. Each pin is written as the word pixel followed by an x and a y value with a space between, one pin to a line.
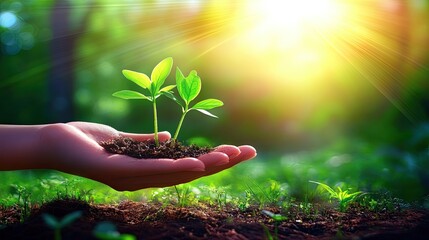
pixel 148 149
pixel 155 221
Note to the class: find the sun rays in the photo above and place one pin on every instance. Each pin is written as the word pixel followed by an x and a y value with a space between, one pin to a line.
pixel 305 46
pixel 298 44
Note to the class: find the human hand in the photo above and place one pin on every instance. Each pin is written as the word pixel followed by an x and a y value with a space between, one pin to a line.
pixel 73 148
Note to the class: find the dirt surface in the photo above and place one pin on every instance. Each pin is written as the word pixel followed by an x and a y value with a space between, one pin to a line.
pixel 148 149
pixel 154 221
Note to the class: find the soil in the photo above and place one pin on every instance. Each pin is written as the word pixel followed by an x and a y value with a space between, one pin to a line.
pixel 155 221
pixel 148 149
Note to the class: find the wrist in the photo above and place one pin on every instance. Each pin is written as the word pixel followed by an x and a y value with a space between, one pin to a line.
pixel 19 147
pixel 49 137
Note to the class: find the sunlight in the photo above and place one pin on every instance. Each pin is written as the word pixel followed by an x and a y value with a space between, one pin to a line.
pixel 324 49
pixel 291 20
pixel 287 32
pixel 281 15
pixel 314 46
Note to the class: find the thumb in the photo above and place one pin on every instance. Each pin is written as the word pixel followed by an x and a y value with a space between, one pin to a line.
pixel 163 136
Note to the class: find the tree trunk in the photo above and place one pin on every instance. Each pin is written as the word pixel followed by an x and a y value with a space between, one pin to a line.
pixel 62 64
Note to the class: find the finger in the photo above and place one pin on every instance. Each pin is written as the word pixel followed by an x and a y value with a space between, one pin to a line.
pixel 214 159
pixel 127 167
pixel 246 153
pixel 161 180
pixel 230 150
pixel 162 136
pixel 96 131
pixel 174 178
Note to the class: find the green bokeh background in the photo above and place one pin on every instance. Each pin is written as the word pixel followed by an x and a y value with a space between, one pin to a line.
pixel 369 132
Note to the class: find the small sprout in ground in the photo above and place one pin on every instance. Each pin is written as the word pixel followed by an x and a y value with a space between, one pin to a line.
pixel 189 87
pixel 183 194
pixel 369 203
pixel 57 225
pixel 343 196
pixel 274 216
pixel 108 231
pixel 277 219
pixel 152 84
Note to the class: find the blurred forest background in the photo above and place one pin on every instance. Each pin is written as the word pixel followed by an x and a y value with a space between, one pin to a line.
pixel 295 76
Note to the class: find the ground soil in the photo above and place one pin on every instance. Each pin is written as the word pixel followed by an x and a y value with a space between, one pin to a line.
pixel 148 149
pixel 154 221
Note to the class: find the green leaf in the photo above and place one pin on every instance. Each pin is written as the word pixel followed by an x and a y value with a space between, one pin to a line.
pixel 69 218
pixel 160 73
pixel 170 95
pixel 108 231
pixel 50 220
pixel 105 227
pixel 180 78
pixel 327 188
pixel 206 113
pixel 188 87
pixel 275 217
pixel 167 88
pixel 208 104
pixel 128 94
pixel 194 85
pixel 179 75
pixel 140 79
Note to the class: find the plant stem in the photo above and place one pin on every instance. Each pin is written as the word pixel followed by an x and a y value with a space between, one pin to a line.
pixel 179 200
pixel 180 123
pixel 155 123
pixel 178 127
pixel 57 233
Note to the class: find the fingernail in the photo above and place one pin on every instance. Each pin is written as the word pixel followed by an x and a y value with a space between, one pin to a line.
pixel 231 151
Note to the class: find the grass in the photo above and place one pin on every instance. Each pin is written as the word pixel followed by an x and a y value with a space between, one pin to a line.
pixel 266 180
pixel 344 197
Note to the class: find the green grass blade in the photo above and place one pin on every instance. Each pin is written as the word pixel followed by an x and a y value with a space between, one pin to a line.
pixel 327 188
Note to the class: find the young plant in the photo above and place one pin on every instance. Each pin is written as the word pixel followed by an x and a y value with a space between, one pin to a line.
pixel 57 225
pixel 189 87
pixel 24 201
pixel 344 197
pixel 152 84
pixel 183 195
pixel 278 218
pixel 108 231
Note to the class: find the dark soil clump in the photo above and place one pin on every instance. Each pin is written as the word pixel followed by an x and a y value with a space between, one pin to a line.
pixel 148 149
pixel 157 221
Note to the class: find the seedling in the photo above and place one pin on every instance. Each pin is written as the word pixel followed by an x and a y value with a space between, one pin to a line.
pixel 189 87
pixel 277 219
pixel 182 195
pixel 274 216
pixel 343 196
pixel 152 84
pixel 57 225
pixel 108 231
pixel 23 197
